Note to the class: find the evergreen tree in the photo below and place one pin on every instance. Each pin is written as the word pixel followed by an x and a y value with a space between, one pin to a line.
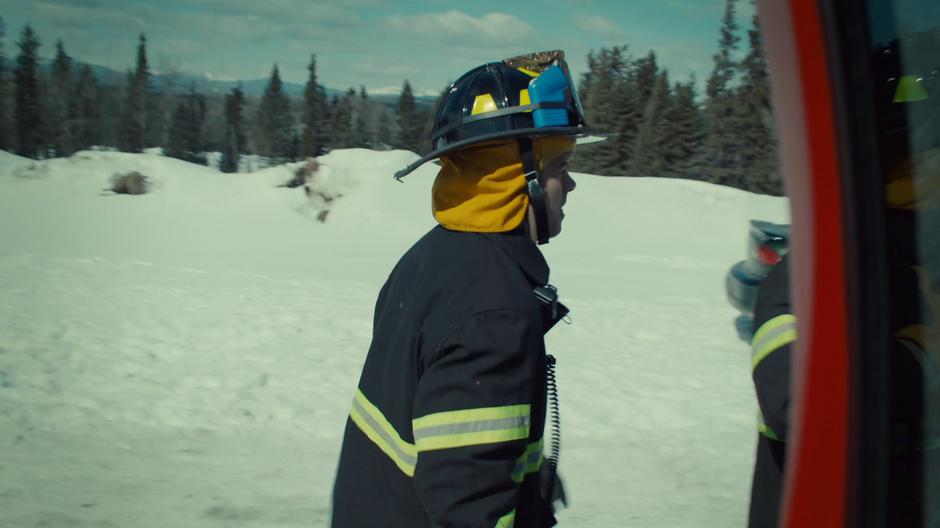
pixel 383 131
pixel 84 111
pixel 155 125
pixel 214 128
pixel 28 111
pixel 143 65
pixel 61 127
pixel 599 100
pixel 326 117
pixel 596 93
pixel 718 84
pixel 647 76
pixel 134 118
pixel 294 144
pixel 6 132
pixel 409 121
pixel 587 78
pixel 758 142
pixel 371 110
pixel 426 145
pixel 609 105
pixel 720 162
pixel 186 141
pixel 425 125
pixel 109 96
pixel 361 131
pixel 682 136
pixel 274 122
pixel 234 142
pixel 628 109
pixel 162 105
pixel 312 140
pixel 649 148
pixel 341 121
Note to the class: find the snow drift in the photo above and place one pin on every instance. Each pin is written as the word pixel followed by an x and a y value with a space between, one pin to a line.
pixel 186 357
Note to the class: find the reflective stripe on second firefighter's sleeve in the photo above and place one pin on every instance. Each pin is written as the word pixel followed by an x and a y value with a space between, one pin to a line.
pixel 506 521
pixel 764 429
pixel 773 334
pixel 377 428
pixel 467 427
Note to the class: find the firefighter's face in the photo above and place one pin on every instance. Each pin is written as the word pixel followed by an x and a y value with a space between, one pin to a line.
pixel 557 184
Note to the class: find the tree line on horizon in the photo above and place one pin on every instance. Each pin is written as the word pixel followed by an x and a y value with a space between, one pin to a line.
pixel 661 128
pixel 55 113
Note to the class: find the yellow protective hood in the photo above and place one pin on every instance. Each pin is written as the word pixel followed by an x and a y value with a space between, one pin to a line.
pixel 482 189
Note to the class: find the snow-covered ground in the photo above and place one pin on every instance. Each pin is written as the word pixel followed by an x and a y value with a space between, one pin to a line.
pixel 186 358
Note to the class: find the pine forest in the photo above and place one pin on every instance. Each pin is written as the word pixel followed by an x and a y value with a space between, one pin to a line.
pixel 661 126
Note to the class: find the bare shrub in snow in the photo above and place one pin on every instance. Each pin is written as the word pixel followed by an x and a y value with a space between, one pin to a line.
pixel 129 183
pixel 322 188
pixel 322 199
pixel 303 174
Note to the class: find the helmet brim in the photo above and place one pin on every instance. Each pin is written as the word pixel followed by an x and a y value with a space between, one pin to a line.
pixel 581 134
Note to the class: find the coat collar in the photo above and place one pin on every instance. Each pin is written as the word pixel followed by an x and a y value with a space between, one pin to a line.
pixel 521 249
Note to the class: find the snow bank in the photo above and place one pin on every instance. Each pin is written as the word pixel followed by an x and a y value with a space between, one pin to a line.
pixel 187 357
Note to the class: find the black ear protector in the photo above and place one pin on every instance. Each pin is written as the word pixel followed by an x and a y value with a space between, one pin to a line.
pixel 535 189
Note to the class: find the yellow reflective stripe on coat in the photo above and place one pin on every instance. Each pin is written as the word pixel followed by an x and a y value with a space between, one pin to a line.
pixel 467 427
pixel 763 429
pixel 506 521
pixel 529 462
pixel 773 334
pixel 378 429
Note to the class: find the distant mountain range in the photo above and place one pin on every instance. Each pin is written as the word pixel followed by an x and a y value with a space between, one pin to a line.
pixel 206 85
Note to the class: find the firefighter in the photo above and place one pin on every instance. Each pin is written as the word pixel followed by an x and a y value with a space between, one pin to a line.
pixel 914 354
pixel 771 350
pixel 910 169
pixel 446 425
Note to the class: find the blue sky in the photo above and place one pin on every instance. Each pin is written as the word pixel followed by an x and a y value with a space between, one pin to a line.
pixel 376 43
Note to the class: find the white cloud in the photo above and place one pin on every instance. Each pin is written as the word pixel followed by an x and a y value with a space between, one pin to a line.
pixel 284 7
pixel 84 13
pixel 695 7
pixel 385 90
pixel 238 18
pixel 373 64
pixel 319 13
pixel 598 26
pixel 456 26
pixel 396 90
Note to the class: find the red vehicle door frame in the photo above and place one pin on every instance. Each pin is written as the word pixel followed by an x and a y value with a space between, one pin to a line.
pixel 817 462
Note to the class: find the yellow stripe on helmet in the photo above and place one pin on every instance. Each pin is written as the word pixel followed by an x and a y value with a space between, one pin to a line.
pixel 483 104
pixel 524 97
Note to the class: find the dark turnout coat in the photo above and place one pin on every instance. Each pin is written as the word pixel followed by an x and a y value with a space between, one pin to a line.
pixel 775 333
pixel 913 379
pixel 445 428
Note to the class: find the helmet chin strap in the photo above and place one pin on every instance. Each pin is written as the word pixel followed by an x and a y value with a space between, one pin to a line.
pixel 535 189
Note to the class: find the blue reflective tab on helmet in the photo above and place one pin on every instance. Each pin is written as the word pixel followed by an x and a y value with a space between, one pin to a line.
pixel 549 87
